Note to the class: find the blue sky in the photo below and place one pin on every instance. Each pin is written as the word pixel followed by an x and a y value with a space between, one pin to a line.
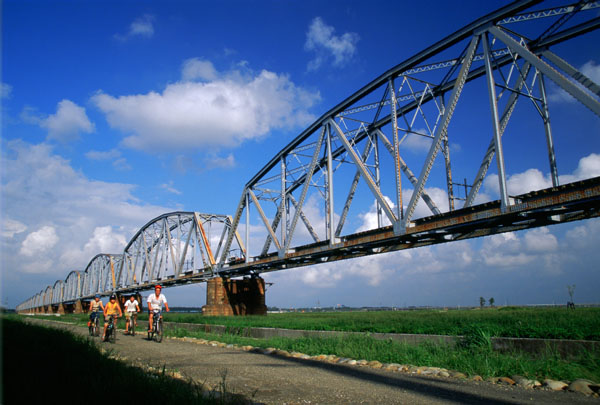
pixel 106 125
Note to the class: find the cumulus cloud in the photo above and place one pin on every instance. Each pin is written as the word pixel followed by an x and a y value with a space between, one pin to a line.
pixel 118 162
pixel 214 162
pixel 416 143
pixel 320 40
pixel 103 155
pixel 141 27
pixel 65 125
pixel 10 227
pixel 534 179
pixel 71 217
pixel 195 68
pixel 5 90
pixel 39 242
pixel 223 112
pixel 169 187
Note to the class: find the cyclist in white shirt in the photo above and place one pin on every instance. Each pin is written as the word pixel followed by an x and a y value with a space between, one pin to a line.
pixel 155 302
pixel 132 307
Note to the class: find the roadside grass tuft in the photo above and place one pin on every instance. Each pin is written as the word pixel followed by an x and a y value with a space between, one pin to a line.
pixel 47 365
pixel 476 357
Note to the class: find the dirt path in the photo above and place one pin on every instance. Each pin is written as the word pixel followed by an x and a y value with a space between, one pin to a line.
pixel 282 380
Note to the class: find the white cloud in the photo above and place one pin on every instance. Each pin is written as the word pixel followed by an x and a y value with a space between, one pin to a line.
pixel 39 242
pixel 592 70
pixel 196 68
pixel 141 27
pixel 540 240
pixel 214 162
pixel 65 125
pixel 103 155
pixel 5 90
pixel 10 227
pixel 121 164
pixel 223 112
pixel 534 179
pixel 118 162
pixel 169 187
pixel 60 204
pixel 321 40
pixel 416 143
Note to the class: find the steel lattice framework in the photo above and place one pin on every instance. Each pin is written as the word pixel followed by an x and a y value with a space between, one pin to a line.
pixel 505 58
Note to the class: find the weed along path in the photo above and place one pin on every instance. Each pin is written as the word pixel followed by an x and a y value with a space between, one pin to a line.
pixel 273 379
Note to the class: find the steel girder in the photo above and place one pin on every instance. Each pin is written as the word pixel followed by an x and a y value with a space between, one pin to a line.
pixel 173 248
pixel 72 290
pixel 416 100
pixel 57 292
pixel 99 275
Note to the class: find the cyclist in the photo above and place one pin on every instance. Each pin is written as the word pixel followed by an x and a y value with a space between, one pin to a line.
pixel 132 307
pixel 95 307
pixel 155 302
pixel 112 308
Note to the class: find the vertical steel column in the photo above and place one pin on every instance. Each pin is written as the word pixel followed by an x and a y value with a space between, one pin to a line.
pixel 283 206
pixel 397 172
pixel 247 230
pixel 504 203
pixel 548 128
pixel 377 177
pixel 330 211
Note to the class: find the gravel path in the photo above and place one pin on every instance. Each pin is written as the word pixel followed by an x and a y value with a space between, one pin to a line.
pixel 283 380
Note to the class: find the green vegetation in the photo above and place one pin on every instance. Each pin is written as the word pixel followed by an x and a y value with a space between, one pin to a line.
pixel 45 365
pixel 544 323
pixel 474 357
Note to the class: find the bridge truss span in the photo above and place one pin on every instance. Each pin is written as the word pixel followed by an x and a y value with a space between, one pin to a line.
pixel 391 143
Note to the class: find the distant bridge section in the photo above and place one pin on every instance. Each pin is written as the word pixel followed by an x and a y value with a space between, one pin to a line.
pixel 386 151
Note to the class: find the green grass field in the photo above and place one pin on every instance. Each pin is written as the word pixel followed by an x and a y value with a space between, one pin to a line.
pixel 545 323
pixel 474 357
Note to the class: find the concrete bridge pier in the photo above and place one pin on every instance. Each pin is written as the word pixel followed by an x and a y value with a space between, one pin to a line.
pixel 78 307
pixel 226 297
pixel 58 309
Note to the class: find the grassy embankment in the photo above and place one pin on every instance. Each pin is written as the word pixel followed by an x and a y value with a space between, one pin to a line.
pixel 545 323
pixel 475 356
pixel 46 365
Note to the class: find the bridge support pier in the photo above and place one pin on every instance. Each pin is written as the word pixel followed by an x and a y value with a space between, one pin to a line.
pixel 225 297
pixel 59 309
pixel 78 307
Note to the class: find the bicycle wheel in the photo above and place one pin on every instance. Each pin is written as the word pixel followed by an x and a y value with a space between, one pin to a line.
pixel 96 332
pixel 131 326
pixel 113 335
pixel 159 331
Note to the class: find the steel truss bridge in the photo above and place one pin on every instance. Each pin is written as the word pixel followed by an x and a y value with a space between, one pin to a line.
pixel 360 150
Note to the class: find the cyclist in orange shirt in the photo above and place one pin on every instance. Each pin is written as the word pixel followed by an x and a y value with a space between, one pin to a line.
pixel 112 308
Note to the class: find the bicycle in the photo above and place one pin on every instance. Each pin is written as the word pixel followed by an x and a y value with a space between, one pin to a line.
pixel 93 328
pixel 157 327
pixel 111 330
pixel 131 322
